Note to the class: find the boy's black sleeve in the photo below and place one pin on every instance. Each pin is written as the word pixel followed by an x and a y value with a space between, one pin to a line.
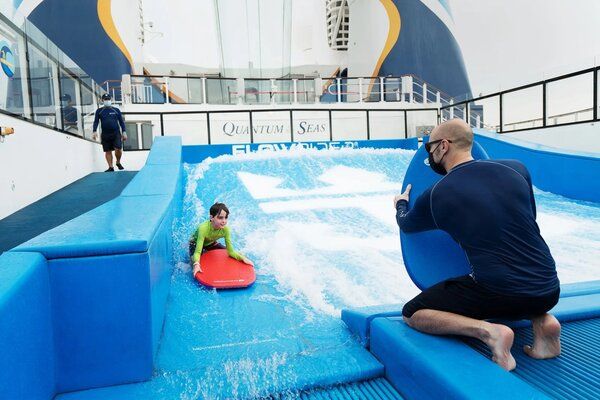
pixel 419 218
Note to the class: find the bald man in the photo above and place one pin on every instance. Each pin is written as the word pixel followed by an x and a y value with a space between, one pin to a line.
pixel 488 207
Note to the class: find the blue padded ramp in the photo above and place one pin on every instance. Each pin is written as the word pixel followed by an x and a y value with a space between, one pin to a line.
pixel 579 288
pixel 127 232
pixel 61 206
pixel 433 256
pixel 422 366
pixel 575 374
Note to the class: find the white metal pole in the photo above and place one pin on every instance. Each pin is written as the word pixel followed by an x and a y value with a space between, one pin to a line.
pixel 360 89
pixel 381 88
pixel 295 85
pixel 339 91
pixel 167 100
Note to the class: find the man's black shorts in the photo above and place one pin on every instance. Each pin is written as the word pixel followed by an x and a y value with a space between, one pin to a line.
pixel 465 297
pixel 111 141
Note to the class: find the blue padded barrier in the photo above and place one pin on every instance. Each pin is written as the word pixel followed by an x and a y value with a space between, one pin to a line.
pixel 552 170
pixel 153 180
pixel 197 154
pixel 584 304
pixel 110 274
pixel 422 366
pixel 358 320
pixel 26 339
pixel 579 288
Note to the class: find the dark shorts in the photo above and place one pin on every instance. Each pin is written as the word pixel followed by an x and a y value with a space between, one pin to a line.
pixel 213 246
pixel 465 297
pixel 111 142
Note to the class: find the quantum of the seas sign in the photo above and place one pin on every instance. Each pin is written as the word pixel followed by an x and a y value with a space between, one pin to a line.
pixel 303 127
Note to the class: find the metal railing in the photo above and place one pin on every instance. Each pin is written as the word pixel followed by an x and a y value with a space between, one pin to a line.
pixel 240 126
pixel 533 106
pixel 156 89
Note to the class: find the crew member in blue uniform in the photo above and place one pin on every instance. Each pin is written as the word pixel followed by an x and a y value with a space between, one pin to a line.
pixel 113 131
pixel 488 207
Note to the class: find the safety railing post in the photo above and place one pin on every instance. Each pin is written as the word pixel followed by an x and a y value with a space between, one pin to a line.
pixel 339 89
pixel 381 90
pixel 167 100
pixel 360 90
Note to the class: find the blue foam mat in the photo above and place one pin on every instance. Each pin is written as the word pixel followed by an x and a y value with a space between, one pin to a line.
pixel 61 206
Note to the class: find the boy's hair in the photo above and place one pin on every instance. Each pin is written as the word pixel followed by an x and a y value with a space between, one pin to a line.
pixel 216 209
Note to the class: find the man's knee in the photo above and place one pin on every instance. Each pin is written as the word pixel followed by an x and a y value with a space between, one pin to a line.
pixel 409 309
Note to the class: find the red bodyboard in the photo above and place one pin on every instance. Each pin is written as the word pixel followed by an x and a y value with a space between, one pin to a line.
pixel 219 271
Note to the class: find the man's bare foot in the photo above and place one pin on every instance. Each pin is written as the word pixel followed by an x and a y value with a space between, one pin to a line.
pixel 500 341
pixel 546 338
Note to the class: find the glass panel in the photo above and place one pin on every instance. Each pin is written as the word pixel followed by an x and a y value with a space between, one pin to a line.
pixel 132 142
pixel 88 109
pixel 330 91
pixel 12 77
pixel 392 89
pixel 306 91
pixel 284 91
pixel 350 89
pixel 186 90
pixel 485 114
pixel 42 88
pixel 371 89
pixel 522 109
pixel 570 100
pixel 420 123
pixel 386 124
pixel 221 91
pixel 148 90
pixel 68 111
pixel 258 91
pixel 147 136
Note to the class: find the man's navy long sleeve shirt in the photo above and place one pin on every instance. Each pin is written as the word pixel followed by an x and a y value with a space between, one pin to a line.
pixel 487 206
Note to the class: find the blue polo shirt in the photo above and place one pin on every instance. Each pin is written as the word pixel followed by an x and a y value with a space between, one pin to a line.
pixel 488 208
pixel 111 121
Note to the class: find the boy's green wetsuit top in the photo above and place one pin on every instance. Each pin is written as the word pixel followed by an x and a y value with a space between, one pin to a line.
pixel 207 235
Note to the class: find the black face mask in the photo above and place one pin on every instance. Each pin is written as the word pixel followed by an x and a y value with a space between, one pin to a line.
pixel 437 167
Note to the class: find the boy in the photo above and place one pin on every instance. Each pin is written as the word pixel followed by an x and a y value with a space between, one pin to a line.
pixel 206 236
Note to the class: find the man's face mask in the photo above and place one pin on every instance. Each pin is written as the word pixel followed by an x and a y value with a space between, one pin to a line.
pixel 107 103
pixel 437 167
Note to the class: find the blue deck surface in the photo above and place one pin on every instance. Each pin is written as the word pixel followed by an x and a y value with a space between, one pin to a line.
pixel 61 206
pixel 573 375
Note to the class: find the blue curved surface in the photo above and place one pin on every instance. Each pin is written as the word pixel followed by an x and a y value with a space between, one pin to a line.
pixel 433 256
pixel 76 29
pixel 568 173
pixel 421 31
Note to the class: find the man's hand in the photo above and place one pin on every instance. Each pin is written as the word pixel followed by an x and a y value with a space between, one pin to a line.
pixel 246 261
pixel 403 196
pixel 94 136
pixel 197 268
pixel 124 136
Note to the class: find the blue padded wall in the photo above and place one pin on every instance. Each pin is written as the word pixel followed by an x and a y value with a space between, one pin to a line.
pixel 26 340
pixel 100 308
pixel 551 169
pixel 110 275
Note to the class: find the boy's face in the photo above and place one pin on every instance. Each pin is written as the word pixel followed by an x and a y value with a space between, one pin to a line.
pixel 220 220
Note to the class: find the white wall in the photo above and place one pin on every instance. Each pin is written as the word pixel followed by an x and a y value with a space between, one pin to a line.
pixel 369 26
pixel 580 137
pixel 506 43
pixel 37 161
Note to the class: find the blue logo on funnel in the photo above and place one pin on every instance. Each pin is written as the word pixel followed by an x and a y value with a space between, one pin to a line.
pixel 7 60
